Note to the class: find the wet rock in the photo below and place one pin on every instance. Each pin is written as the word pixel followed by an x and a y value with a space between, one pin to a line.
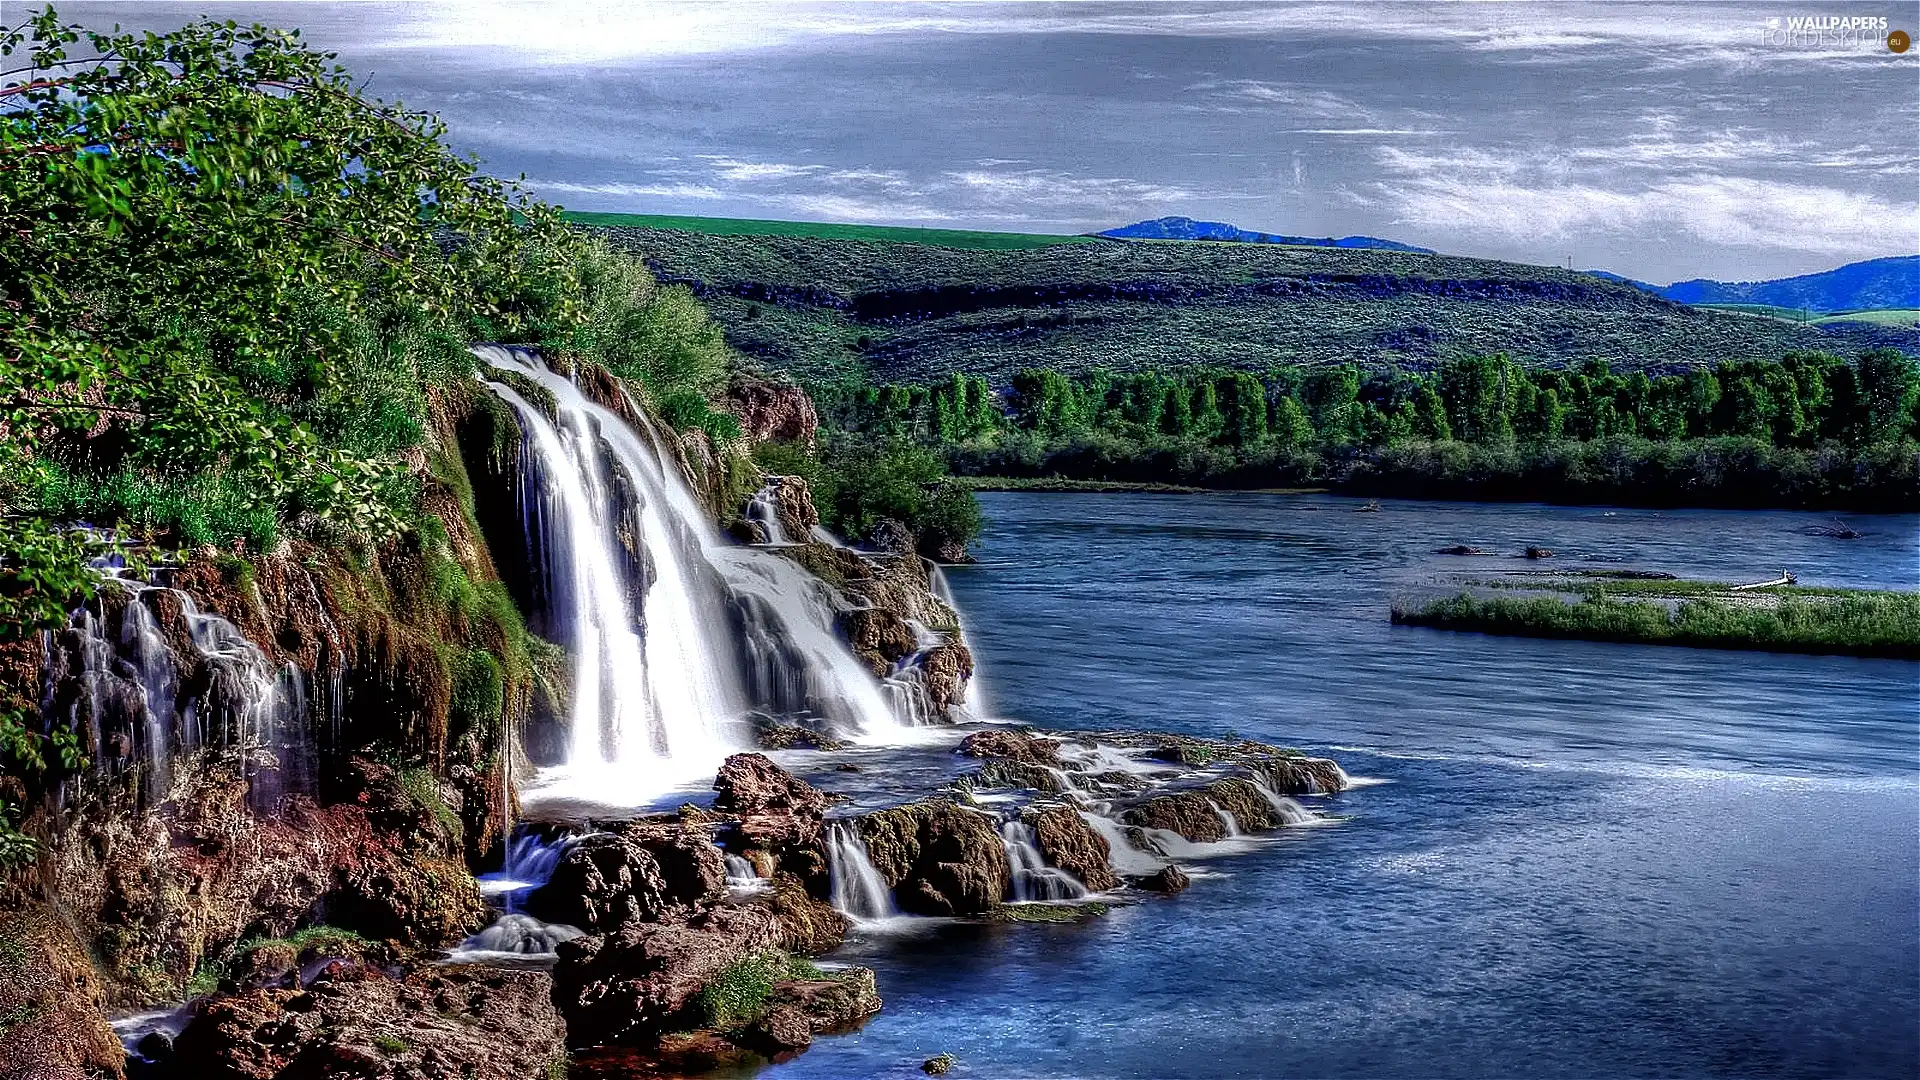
pixel 795 499
pixel 946 670
pixel 890 535
pixel 938 1065
pixel 768 409
pixel 1169 879
pixel 1461 549
pixel 802 1008
pixel 1290 774
pixel 805 925
pixel 1011 746
pixel 1539 553
pixel 467 1021
pixel 776 810
pixel 50 1000
pixel 938 858
pixel 633 984
pixel 1068 842
pixel 1003 773
pixel 947 550
pixel 880 636
pixel 1185 752
pixel 794 737
pixel 645 874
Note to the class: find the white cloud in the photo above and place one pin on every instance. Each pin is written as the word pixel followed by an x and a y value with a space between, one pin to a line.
pixel 1482 195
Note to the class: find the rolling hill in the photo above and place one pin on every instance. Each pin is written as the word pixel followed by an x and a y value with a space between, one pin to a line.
pixel 1185 228
pixel 824 307
pixel 1875 283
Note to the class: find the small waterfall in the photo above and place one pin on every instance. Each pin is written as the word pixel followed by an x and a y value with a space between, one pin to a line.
pixel 124 686
pixel 1288 811
pixel 514 935
pixel 974 699
pixel 529 862
pixel 741 876
pixel 1033 879
pixel 1122 855
pixel 765 510
pixel 859 892
pixel 1226 820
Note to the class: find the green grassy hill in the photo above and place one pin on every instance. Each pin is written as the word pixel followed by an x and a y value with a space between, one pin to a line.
pixel 819 230
pixel 825 306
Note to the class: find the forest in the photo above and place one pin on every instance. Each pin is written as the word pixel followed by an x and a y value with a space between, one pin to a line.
pixel 1808 429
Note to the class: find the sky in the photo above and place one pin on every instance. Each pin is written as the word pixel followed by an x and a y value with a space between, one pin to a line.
pixel 1663 142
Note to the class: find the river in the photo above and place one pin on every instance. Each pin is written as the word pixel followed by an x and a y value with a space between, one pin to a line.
pixel 1578 859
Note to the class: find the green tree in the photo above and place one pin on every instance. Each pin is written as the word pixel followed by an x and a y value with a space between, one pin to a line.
pixel 1291 429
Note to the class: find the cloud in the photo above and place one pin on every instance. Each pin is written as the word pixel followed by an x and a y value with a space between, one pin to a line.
pixel 1486 195
pixel 630 191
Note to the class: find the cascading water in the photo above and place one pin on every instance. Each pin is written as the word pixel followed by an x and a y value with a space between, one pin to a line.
pixel 858 890
pixel 126 687
pixel 1226 820
pixel 764 509
pixel 659 682
pixel 1033 879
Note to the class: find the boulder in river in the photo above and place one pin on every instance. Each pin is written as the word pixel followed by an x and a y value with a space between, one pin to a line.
pixel 1168 879
pixel 631 985
pixel 938 858
pixel 1068 842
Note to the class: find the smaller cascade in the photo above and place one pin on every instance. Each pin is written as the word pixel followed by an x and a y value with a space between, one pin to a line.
pixel 145 648
pixel 1226 820
pixel 764 509
pixel 1033 879
pixel 530 859
pixel 1288 811
pixel 1122 854
pixel 741 876
pixel 514 935
pixel 858 890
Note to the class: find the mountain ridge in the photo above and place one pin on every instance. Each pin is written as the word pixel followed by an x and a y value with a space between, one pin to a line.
pixel 1186 228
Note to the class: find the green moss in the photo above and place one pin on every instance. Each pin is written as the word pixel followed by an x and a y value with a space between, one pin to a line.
pixel 24 1013
pixel 1047 913
pixel 391 1044
pixel 739 994
pixel 421 787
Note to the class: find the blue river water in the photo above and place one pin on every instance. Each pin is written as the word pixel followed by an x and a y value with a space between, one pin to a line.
pixel 1579 859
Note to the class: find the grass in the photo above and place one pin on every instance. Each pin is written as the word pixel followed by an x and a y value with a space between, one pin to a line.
pixel 1847 622
pixel 738 996
pixel 1905 318
pixel 827 308
pixel 826 230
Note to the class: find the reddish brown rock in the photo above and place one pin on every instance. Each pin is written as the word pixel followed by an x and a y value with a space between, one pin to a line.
pixel 1168 879
pixel 807 926
pixel 881 637
pixel 463 1021
pixel 939 859
pixel 50 1000
pixel 947 669
pixel 634 984
pixel 1068 842
pixel 775 809
pixel 1012 746
pixel 768 409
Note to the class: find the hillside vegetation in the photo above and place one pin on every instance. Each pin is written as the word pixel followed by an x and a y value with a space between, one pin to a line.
pixel 826 230
pixel 829 309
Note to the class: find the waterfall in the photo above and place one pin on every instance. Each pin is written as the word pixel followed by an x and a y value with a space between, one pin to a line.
pixel 125 686
pixel 764 508
pixel 1286 810
pixel 1033 879
pixel 646 598
pixel 859 892
pixel 513 935
pixel 1123 855
pixel 528 863
pixel 741 876
pixel 1226 820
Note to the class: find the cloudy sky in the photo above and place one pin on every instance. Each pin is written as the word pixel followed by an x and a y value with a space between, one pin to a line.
pixel 1659 141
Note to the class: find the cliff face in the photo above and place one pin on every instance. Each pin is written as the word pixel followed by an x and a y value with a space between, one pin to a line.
pixel 330 734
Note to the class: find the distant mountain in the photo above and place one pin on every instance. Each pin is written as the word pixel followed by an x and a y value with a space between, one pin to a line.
pixel 1185 228
pixel 1876 283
